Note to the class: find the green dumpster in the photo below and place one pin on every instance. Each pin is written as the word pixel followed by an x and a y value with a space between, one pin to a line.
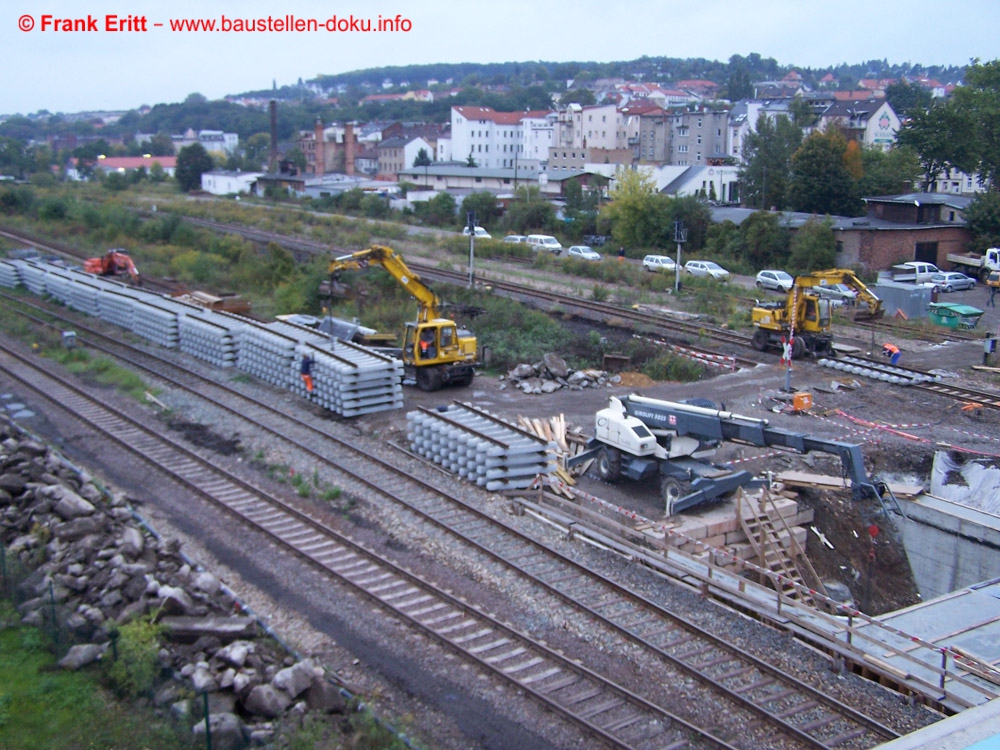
pixel 954 315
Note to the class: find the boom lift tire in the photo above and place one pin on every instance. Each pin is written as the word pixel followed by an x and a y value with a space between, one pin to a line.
pixel 759 340
pixel 609 464
pixel 671 490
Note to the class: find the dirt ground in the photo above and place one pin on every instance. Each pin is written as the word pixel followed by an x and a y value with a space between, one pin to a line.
pixel 911 425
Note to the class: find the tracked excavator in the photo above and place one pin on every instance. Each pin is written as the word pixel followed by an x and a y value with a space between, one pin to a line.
pixel 639 438
pixel 436 351
pixel 115 262
pixel 804 317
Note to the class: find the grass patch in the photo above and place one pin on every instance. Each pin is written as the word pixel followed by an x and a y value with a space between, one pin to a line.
pixel 44 708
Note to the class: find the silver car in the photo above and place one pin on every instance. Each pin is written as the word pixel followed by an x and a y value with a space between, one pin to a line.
pixel 706 268
pixel 838 294
pixel 779 281
pixel 583 252
pixel 952 281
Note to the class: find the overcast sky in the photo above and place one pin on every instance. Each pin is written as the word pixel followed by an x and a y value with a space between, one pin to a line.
pixel 64 71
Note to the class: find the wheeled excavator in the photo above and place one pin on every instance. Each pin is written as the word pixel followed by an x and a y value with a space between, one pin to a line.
pixel 436 351
pixel 115 262
pixel 804 317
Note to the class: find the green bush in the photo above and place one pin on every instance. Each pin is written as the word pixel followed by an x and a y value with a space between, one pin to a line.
pixel 135 670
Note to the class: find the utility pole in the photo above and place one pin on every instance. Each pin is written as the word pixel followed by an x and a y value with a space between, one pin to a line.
pixel 470 218
pixel 680 237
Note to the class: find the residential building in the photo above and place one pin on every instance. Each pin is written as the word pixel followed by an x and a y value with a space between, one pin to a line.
pixel 211 140
pixel 698 138
pixel 872 123
pixel 492 139
pixel 396 154
pixel 647 131
pixel 570 160
pixel 594 126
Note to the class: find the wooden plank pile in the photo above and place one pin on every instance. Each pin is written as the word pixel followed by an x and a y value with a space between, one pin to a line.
pixel 568 441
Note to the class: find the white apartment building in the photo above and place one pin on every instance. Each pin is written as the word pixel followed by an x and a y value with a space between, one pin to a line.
pixel 597 126
pixel 498 140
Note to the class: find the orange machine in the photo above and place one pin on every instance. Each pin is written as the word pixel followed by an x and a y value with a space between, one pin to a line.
pixel 113 263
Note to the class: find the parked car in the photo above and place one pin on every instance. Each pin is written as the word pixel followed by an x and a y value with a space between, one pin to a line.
pixel 706 269
pixel 583 252
pixel 481 234
pixel 515 239
pixel 779 281
pixel 838 294
pixel 659 263
pixel 952 281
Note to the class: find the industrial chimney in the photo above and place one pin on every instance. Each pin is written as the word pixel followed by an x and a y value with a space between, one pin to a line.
pixel 272 164
pixel 349 141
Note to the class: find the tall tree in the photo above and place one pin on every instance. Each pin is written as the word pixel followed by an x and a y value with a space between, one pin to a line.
pixel 739 85
pixel 888 172
pixel 944 137
pixel 483 205
pixel 422 159
pixel 820 180
pixel 813 247
pixel 979 100
pixel 765 241
pixel 982 217
pixel 638 215
pixel 904 98
pixel 767 166
pixel 192 162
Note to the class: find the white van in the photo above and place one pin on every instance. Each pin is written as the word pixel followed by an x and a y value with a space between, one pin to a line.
pixel 545 242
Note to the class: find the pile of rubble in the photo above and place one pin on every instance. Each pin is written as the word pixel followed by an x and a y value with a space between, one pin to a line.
pixel 90 568
pixel 552 373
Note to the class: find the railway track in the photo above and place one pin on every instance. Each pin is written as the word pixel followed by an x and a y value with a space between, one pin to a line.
pixel 755 692
pixel 951 390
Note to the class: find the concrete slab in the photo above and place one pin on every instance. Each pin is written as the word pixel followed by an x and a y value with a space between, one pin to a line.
pixel 975 729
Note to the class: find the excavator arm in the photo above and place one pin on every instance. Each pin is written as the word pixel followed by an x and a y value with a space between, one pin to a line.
pixel 845 276
pixel 379 255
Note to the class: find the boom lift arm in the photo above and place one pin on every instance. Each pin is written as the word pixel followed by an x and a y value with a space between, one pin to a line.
pixel 641 437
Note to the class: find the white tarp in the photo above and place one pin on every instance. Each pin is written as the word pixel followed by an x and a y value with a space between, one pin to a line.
pixel 974 482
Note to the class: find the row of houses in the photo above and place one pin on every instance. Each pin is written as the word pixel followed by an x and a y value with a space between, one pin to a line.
pixel 571 140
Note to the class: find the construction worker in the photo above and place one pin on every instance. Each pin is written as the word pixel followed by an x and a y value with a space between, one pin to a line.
pixel 427 350
pixel 305 370
pixel 891 352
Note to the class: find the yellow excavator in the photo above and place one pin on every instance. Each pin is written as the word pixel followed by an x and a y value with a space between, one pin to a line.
pixel 806 312
pixel 436 351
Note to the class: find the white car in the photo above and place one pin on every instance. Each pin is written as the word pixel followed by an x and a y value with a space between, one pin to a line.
pixel 583 252
pixel 706 269
pixel 779 281
pixel 659 263
pixel 515 239
pixel 481 234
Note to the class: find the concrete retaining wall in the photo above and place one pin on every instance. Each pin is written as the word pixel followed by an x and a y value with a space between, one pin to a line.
pixel 950 546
